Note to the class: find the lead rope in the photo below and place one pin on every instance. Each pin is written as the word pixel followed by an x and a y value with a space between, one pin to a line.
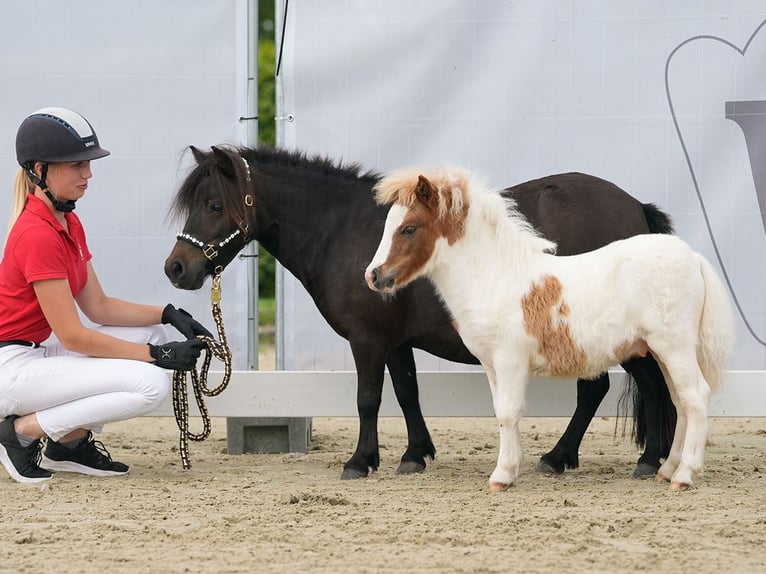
pixel 199 380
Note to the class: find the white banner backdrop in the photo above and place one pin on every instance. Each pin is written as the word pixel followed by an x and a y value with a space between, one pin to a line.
pixel 665 99
pixel 153 78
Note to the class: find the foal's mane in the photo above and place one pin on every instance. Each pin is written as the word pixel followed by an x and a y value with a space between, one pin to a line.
pixel 451 186
pixel 457 191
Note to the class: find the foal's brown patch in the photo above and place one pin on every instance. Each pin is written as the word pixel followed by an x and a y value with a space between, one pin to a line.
pixel 544 312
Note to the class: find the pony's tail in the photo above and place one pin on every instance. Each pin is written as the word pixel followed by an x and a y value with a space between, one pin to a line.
pixel 657 220
pixel 716 340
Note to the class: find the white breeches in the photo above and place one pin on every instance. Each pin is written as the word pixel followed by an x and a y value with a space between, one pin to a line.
pixel 70 391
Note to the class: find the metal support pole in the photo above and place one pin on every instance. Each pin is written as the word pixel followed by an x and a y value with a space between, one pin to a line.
pixel 251 250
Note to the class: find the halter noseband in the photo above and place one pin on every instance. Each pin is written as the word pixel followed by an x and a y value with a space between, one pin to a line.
pixel 210 250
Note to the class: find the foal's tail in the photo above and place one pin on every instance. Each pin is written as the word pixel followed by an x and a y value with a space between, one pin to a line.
pixel 716 335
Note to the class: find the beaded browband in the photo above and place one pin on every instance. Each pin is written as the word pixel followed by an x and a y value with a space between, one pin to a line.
pixel 210 250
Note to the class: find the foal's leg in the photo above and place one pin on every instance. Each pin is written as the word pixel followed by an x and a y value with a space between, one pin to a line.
pixel 401 367
pixel 654 412
pixel 691 393
pixel 507 382
pixel 673 458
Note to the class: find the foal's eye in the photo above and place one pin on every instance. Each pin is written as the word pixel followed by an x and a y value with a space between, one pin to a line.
pixel 409 230
pixel 216 207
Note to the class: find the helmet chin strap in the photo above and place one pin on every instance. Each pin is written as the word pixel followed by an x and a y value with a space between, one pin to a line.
pixel 64 206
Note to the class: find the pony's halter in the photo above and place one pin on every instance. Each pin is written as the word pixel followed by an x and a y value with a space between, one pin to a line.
pixel 212 250
pixel 209 250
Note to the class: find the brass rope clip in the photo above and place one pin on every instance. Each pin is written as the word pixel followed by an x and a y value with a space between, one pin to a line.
pixel 215 290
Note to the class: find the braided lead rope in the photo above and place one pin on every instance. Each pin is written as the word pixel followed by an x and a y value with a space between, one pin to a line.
pixel 199 381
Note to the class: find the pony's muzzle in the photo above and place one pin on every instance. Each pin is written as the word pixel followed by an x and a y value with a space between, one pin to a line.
pixel 182 274
pixel 174 270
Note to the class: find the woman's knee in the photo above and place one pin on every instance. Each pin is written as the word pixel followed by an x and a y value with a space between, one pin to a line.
pixel 154 386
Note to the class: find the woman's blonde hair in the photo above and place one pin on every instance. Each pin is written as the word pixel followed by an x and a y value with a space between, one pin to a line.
pixel 22 187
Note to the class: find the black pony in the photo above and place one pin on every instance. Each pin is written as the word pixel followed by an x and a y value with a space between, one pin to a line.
pixel 320 221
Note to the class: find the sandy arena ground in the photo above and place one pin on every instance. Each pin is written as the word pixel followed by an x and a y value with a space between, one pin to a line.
pixel 291 513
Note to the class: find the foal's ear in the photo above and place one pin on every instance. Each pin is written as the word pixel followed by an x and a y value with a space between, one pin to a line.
pixel 224 161
pixel 424 190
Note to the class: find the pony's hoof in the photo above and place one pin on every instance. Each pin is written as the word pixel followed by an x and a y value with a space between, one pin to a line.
pixel 352 474
pixel 644 470
pixel 410 467
pixel 498 486
pixel 544 467
pixel 660 478
pixel 679 486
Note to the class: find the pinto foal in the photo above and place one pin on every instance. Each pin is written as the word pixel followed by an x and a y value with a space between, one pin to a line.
pixel 522 310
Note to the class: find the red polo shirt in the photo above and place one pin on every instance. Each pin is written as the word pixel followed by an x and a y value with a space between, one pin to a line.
pixel 38 248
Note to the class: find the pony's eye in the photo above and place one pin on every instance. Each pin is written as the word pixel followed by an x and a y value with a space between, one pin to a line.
pixel 409 230
pixel 216 207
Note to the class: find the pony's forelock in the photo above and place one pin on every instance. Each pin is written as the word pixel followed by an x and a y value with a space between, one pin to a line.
pixel 208 165
pixel 185 197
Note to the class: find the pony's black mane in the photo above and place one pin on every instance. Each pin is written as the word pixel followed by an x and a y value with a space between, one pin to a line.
pixel 323 165
pixel 259 159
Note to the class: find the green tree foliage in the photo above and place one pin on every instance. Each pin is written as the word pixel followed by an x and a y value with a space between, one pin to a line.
pixel 266 124
pixel 266 80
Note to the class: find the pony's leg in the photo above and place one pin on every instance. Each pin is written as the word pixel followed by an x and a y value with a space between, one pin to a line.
pixel 691 394
pixel 565 453
pixel 401 367
pixel 507 383
pixel 370 367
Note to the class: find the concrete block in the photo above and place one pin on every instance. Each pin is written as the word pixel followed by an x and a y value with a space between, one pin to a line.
pixel 267 434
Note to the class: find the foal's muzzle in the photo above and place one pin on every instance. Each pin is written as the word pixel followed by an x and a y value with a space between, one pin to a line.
pixel 380 282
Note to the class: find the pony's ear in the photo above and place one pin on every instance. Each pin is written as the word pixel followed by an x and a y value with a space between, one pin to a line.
pixel 424 191
pixel 198 154
pixel 225 162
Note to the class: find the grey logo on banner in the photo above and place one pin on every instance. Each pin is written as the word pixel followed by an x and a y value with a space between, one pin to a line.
pixel 750 116
pixel 751 119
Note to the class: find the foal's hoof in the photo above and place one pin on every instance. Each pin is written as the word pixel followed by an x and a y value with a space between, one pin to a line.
pixel 660 478
pixel 410 467
pixel 498 486
pixel 679 486
pixel 352 474
pixel 644 470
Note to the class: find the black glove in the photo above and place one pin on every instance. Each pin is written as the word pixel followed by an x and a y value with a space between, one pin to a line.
pixel 177 355
pixel 187 325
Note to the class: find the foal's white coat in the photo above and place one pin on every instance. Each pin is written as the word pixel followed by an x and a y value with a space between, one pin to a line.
pixel 522 310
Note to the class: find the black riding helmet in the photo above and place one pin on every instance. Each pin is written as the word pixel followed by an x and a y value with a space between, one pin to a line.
pixel 55 135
